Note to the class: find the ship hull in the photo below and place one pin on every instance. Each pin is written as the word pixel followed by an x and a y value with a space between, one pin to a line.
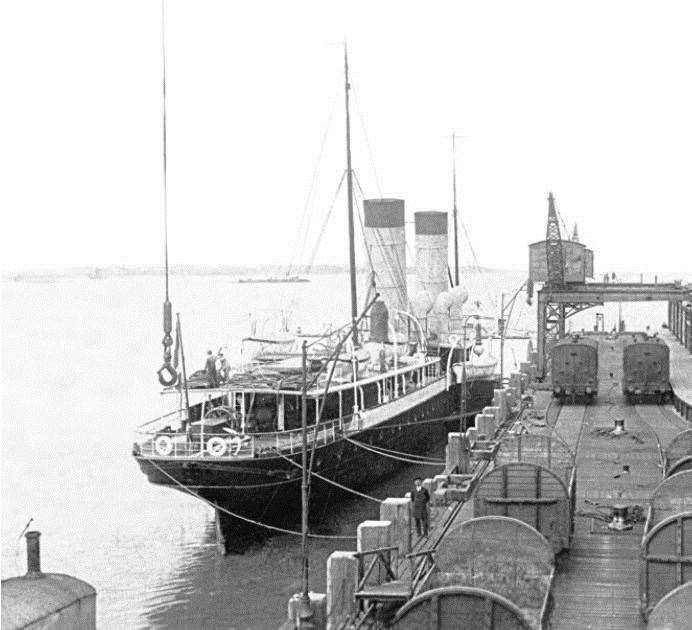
pixel 267 490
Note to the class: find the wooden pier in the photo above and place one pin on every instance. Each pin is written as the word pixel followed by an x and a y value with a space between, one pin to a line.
pixel 597 583
pixel 604 551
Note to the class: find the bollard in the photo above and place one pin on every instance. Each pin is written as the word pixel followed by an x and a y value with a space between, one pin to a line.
pixel 515 381
pixel 500 401
pixel 374 535
pixel 439 497
pixel 454 452
pixel 398 512
pixel 494 412
pixel 485 424
pixel 342 580
pixel 482 425
pixel 440 481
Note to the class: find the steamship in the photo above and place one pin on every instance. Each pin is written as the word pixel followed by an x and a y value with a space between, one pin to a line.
pixel 373 393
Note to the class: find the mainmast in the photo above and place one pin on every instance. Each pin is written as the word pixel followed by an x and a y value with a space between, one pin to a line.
pixel 351 231
pixel 454 212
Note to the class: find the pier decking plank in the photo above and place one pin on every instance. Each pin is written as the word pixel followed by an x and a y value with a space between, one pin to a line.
pixel 597 582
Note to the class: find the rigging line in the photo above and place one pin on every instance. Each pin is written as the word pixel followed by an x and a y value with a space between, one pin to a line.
pixel 399 264
pixel 334 483
pixel 392 269
pixel 388 450
pixel 400 459
pixel 475 259
pixel 240 516
pixel 313 255
pixel 367 141
pixel 255 486
pixel 362 229
pixel 164 142
pixel 329 380
pixel 302 225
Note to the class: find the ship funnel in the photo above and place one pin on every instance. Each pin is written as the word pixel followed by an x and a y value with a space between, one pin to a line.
pixel 385 240
pixel 431 256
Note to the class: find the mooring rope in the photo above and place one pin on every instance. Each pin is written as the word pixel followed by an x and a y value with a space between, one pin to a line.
pixel 423 458
pixel 401 459
pixel 334 483
pixel 240 516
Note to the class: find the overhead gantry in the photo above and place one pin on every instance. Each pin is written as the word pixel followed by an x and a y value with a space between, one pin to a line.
pixel 563 266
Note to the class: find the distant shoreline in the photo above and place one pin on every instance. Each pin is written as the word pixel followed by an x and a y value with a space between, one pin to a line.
pixel 123 271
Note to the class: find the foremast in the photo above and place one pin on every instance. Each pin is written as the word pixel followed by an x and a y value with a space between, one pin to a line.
pixel 349 185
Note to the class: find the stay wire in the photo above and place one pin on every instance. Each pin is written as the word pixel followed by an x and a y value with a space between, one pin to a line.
pixel 361 118
pixel 475 259
pixel 329 481
pixel 304 222
pixel 323 227
pixel 395 268
pixel 240 516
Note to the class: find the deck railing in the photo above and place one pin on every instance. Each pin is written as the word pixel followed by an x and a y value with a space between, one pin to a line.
pixel 217 444
pixel 158 438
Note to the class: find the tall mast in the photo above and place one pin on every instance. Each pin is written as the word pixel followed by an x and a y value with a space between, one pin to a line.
pixel 454 213
pixel 349 182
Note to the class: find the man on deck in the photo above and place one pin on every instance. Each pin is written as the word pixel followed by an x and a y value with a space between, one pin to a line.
pixel 420 497
pixel 210 369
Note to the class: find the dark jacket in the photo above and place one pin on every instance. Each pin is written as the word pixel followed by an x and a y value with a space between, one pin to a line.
pixel 210 369
pixel 420 502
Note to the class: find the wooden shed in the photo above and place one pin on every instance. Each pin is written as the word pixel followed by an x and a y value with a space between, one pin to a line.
pixel 666 548
pixel 532 494
pixel 674 611
pixel 491 572
pixel 680 447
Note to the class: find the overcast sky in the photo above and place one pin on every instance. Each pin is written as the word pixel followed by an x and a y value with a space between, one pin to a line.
pixel 592 100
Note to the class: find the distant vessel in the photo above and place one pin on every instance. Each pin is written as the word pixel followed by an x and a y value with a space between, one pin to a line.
pixel 274 279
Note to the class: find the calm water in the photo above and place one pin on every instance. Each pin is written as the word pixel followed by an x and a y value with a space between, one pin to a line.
pixel 78 363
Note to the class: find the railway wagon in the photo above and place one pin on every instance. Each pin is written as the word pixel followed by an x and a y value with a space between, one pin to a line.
pixel 645 369
pixel 574 368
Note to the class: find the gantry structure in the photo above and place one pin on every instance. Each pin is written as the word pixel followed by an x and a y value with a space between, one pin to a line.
pixel 563 266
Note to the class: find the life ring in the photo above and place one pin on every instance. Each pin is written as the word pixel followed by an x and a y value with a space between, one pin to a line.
pixel 167 375
pixel 217 446
pixel 163 445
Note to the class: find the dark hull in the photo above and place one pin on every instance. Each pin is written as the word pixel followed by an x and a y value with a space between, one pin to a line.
pixel 268 489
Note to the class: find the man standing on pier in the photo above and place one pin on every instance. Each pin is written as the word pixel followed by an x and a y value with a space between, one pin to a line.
pixel 420 497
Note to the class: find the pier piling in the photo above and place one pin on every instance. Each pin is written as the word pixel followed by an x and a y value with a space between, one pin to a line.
pixel 375 535
pixel 398 512
pixel 342 580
